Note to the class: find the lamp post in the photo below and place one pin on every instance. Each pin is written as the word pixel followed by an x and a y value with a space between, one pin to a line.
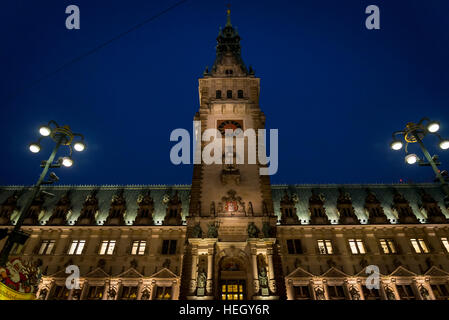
pixel 414 133
pixel 62 136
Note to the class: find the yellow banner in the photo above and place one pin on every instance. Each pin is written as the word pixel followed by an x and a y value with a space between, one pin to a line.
pixel 7 293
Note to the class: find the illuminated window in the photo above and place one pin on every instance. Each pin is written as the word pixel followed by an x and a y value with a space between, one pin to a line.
pixel 357 246
pixel 129 293
pixel 445 243
pixel 232 290
pixel 107 247
pixel 46 246
pixel 138 247
pixel 387 246
pixel 419 245
pixel 163 293
pixel 325 246
pixel 76 247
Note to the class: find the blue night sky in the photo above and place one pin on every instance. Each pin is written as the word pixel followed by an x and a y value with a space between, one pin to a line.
pixel 335 90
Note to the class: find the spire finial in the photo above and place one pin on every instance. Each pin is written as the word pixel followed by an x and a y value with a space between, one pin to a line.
pixel 228 22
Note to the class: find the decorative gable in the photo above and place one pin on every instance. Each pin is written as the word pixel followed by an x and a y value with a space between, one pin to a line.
pixel 300 273
pixel 402 272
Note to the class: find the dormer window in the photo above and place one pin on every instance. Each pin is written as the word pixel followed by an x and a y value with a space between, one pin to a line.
pixel 228 71
pixel 229 94
pixel 240 94
pixel 218 94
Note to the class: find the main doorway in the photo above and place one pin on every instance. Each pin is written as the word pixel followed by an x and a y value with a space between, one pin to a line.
pixel 233 290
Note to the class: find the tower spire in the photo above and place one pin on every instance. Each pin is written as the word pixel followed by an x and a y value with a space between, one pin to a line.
pixel 228 18
pixel 228 51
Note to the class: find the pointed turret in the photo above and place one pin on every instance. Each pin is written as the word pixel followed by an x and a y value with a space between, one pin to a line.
pixel 228 60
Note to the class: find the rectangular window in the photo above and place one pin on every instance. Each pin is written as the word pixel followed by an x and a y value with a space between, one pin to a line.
pixel 388 246
pixel 405 292
pixel 419 245
pixel 294 246
pixel 445 244
pixel 129 293
pixel 107 247
pixel 357 246
pixel 169 247
pixel 302 292
pixel 76 247
pixel 325 246
pixel 16 248
pixel 95 293
pixel 138 247
pixel 371 294
pixel 336 292
pixel 440 291
pixel 46 246
pixel 60 293
pixel 163 293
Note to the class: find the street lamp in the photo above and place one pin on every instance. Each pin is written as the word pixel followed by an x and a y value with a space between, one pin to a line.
pixel 62 136
pixel 415 132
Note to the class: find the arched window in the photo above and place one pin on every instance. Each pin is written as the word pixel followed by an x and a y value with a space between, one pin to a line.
pixel 218 94
pixel 240 94
pixel 229 94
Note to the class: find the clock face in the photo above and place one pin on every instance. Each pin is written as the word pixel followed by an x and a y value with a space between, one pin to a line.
pixel 222 125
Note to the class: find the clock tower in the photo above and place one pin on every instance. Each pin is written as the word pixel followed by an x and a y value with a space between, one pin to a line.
pixel 231 224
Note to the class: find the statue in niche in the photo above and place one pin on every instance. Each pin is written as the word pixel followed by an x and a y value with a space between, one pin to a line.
pixel 263 277
pixel 424 293
pixel 212 208
pixel 202 278
pixel 354 293
pixel 267 230
pixel 253 232
pixel 212 232
pixel 250 209
pixel 390 293
pixel 111 294
pixel 145 295
pixel 319 293
pixel 76 294
pixel 197 232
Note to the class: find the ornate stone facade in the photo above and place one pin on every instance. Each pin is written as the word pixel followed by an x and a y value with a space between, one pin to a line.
pixel 231 234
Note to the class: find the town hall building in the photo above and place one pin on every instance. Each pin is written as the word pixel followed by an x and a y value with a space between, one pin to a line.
pixel 231 234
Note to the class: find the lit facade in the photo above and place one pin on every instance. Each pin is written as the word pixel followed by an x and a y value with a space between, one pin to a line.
pixel 231 234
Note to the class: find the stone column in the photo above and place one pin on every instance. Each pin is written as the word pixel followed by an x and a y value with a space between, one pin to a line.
pixel 194 272
pixel 84 289
pixel 290 291
pixel 271 281
pixel 255 274
pixel 210 261
pixel 175 291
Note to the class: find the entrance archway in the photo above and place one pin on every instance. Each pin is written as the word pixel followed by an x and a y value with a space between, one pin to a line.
pixel 232 282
